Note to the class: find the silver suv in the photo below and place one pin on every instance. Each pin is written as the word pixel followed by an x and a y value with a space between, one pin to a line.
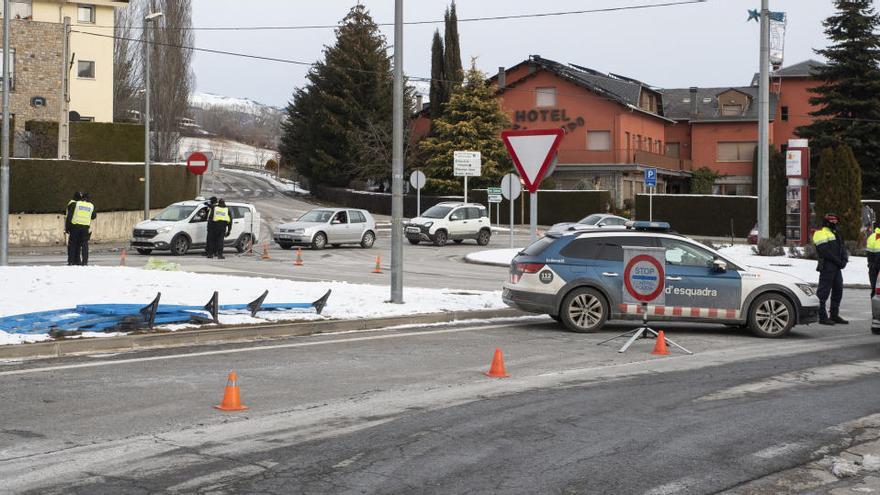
pixel 450 221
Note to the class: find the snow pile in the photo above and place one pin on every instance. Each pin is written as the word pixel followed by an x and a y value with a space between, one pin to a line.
pixel 281 184
pixel 855 273
pixel 227 151
pixel 40 288
pixel 500 257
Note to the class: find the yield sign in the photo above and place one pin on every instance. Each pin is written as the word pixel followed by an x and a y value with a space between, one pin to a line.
pixel 532 152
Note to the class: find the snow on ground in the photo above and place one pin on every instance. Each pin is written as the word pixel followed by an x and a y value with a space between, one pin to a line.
pixel 42 288
pixel 245 105
pixel 227 151
pixel 499 257
pixel 281 184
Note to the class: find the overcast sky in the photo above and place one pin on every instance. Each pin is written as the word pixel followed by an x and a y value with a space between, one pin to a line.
pixel 704 44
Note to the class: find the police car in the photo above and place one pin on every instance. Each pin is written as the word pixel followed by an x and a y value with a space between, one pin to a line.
pixel 577 278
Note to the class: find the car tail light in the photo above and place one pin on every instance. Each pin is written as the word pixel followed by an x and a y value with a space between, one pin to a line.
pixel 529 267
pixel 877 291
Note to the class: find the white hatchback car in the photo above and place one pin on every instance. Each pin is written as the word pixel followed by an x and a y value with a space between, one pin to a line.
pixel 322 226
pixel 184 225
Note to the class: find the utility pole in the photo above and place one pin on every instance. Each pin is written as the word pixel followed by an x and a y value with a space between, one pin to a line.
pixel 64 117
pixel 147 40
pixel 397 161
pixel 763 126
pixel 4 146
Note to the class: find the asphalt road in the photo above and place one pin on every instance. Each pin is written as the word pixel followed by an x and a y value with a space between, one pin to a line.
pixel 409 410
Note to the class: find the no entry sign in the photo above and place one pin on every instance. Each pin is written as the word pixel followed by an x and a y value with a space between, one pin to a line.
pixel 644 275
pixel 197 162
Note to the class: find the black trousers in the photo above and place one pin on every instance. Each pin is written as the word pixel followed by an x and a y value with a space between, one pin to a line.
pixel 78 245
pixel 830 282
pixel 873 270
pixel 209 241
pixel 217 234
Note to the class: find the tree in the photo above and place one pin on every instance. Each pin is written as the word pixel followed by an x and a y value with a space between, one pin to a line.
pixel 777 188
pixel 703 180
pixel 452 51
pixel 437 95
pixel 126 66
pixel 346 102
pixel 849 106
pixel 472 121
pixel 838 181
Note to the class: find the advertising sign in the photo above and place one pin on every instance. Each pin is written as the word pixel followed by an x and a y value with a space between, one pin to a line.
pixel 644 275
pixel 466 163
pixel 793 163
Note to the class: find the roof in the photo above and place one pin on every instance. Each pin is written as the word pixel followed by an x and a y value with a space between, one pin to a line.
pixel 677 104
pixel 621 89
pixel 807 68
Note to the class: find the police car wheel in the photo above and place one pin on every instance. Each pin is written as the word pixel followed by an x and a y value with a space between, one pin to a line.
pixel 771 316
pixel 584 310
pixel 179 245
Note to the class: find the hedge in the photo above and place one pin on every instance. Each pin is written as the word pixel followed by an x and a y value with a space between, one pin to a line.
pixel 45 186
pixel 90 141
pixel 717 216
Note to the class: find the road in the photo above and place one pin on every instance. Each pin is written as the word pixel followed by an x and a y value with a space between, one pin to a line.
pixel 397 411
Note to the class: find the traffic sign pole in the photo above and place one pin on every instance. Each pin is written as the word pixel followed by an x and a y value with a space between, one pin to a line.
pixel 533 216
pixel 465 188
pixel 510 188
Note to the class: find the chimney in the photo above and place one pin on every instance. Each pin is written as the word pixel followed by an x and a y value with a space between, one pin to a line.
pixel 502 78
pixel 693 101
pixel 419 101
pixel 532 65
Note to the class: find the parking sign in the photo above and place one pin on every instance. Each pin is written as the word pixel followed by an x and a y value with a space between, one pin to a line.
pixel 651 177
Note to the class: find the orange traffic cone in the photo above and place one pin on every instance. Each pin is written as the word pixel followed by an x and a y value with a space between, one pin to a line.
pixel 660 347
pixel 497 369
pixel 299 258
pixel 265 255
pixel 122 257
pixel 231 398
pixel 378 268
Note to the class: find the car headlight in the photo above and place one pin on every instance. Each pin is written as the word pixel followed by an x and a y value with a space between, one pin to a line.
pixel 297 231
pixel 162 230
pixel 807 289
pixel 428 224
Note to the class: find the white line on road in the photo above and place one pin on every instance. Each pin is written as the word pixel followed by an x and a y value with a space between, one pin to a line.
pixel 250 349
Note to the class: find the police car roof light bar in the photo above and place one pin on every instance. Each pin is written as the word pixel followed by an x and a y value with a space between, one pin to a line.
pixel 644 225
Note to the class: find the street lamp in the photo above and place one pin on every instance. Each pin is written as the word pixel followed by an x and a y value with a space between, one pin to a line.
pixel 147 19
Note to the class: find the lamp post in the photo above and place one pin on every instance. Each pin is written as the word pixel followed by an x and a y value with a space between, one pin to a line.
pixel 147 19
pixel 4 147
pixel 397 161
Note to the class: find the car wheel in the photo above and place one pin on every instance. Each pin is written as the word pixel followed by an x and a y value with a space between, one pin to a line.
pixel 319 241
pixel 144 251
pixel 483 237
pixel 771 316
pixel 368 239
pixel 458 241
pixel 440 238
pixel 285 245
pixel 584 310
pixel 413 241
pixel 179 245
pixel 242 243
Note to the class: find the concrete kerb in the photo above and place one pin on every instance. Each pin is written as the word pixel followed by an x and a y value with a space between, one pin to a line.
pixel 215 335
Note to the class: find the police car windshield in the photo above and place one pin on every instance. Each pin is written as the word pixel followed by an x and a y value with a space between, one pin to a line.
pixel 436 211
pixel 590 220
pixel 319 216
pixel 175 213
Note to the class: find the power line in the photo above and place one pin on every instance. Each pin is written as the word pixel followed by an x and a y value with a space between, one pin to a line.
pixel 439 21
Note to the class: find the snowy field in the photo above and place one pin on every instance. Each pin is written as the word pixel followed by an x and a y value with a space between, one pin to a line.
pixel 228 152
pixel 40 288
pixel 281 184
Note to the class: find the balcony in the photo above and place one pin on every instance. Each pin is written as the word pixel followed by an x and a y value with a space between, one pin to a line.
pixel 622 157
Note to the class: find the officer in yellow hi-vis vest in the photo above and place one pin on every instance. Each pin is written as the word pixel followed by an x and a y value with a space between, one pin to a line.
pixel 219 227
pixel 833 258
pixel 873 251
pixel 82 214
pixel 71 246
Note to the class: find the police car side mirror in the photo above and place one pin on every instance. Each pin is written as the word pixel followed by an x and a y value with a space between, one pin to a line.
pixel 719 266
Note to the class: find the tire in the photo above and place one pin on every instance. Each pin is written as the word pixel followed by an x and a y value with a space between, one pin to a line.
pixel 179 245
pixel 242 243
pixel 483 237
pixel 285 246
pixel 584 310
pixel 413 241
pixel 458 241
pixel 144 251
pixel 319 241
pixel 440 238
pixel 336 245
pixel 771 316
pixel 369 239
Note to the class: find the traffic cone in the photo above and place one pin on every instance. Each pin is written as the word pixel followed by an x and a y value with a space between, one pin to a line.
pixel 265 255
pixel 496 370
pixel 660 347
pixel 122 256
pixel 378 268
pixel 231 398
pixel 299 258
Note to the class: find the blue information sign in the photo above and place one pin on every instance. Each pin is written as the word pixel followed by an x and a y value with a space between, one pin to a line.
pixel 651 177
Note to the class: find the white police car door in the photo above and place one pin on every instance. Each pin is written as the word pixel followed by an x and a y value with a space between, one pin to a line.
pixel 693 288
pixel 198 226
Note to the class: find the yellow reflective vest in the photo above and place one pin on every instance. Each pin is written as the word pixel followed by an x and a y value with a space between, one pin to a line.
pixel 221 214
pixel 873 245
pixel 82 213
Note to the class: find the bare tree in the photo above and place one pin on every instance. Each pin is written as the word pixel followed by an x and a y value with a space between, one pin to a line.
pixel 126 66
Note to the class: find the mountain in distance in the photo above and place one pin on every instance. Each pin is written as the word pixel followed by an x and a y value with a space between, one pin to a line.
pixel 238 119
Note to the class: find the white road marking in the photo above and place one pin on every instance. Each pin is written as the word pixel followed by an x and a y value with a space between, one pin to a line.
pixel 249 349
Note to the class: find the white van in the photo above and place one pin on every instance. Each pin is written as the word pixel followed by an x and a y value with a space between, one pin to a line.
pixel 184 226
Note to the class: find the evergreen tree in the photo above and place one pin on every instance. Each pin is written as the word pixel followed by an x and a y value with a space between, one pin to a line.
pixel 338 126
pixel 472 121
pixel 452 52
pixel 849 105
pixel 777 188
pixel 826 184
pixel 437 95
pixel 848 195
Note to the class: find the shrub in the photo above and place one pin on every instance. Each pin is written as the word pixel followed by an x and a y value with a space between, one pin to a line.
pixel 772 246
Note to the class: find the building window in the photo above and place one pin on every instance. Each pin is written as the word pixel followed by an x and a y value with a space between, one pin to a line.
pixel 599 140
pixel 85 14
pixel 784 113
pixel 650 145
pixel 545 97
pixel 736 152
pixel 731 110
pixel 85 69
pixel 11 70
pixel 673 150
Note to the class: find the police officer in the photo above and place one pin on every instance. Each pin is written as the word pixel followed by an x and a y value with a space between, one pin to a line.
pixel 209 241
pixel 80 220
pixel 872 249
pixel 220 223
pixel 832 259
pixel 71 246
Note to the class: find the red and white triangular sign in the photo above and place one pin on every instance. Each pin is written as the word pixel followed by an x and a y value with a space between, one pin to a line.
pixel 532 152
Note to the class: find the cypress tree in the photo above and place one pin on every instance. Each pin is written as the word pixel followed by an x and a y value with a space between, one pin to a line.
pixel 826 185
pixel 437 95
pixel 777 186
pixel 848 194
pixel 472 121
pixel 849 107
pixel 452 54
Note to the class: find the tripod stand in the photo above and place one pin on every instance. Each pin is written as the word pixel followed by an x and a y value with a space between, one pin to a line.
pixel 643 332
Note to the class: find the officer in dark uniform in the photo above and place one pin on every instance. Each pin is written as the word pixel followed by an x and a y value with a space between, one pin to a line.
pixel 209 240
pixel 220 223
pixel 833 258
pixel 82 214
pixel 71 246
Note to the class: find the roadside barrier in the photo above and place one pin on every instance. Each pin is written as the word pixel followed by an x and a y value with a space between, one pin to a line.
pixel 496 370
pixel 660 348
pixel 231 395
pixel 265 255
pixel 299 258
pixel 378 268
